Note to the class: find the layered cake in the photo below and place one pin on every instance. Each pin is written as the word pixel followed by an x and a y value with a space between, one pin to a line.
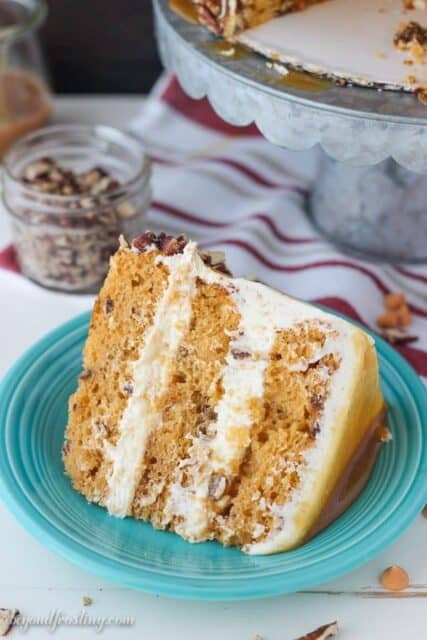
pixel 217 407
pixel 229 17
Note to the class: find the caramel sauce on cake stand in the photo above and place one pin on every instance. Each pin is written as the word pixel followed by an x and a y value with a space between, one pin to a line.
pixel 230 50
pixel 236 51
pixel 185 9
pixel 303 80
pixel 293 79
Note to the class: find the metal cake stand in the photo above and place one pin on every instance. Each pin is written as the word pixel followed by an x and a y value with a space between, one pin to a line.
pixel 378 212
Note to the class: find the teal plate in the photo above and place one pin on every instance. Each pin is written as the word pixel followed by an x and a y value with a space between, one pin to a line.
pixel 33 414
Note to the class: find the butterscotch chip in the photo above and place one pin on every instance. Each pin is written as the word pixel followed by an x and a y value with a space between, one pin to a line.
pixel 394 578
pixel 394 300
pixel 404 317
pixel 387 320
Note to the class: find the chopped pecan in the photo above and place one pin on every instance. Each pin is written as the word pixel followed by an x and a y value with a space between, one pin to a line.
pixel 169 245
pixel 67 242
pixel 7 619
pixel 394 335
pixel 410 32
pixel 216 487
pixel 208 412
pixel 216 261
pixel 240 355
pixel 141 243
pixel 86 374
pixel 314 428
pixel 316 401
pixel 66 448
pixel 126 210
pixel 322 633
pixel 109 305
pixel 103 429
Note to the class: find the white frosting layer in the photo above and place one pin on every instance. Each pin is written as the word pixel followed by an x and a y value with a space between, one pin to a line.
pixel 150 377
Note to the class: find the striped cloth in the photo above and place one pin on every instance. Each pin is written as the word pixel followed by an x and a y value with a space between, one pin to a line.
pixel 231 190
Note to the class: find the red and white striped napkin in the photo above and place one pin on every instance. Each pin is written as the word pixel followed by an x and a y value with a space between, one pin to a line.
pixel 232 190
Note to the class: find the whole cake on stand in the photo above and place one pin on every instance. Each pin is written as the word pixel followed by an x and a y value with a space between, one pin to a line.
pixel 376 211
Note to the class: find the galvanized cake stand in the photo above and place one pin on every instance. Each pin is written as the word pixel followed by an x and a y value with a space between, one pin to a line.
pixel 370 196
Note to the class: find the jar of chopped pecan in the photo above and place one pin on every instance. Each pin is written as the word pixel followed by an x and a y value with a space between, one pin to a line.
pixel 70 192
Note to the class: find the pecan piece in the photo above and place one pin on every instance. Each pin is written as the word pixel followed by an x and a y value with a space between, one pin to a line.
pixel 170 245
pixel 398 336
pixel 216 261
pixel 66 448
pixel 408 33
pixel 316 401
pixel 109 305
pixel 7 619
pixel 240 355
pixel 314 428
pixel 208 412
pixel 322 633
pixel 141 243
pixel 216 486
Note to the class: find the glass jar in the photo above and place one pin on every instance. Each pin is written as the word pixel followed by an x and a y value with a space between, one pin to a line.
pixel 25 102
pixel 64 242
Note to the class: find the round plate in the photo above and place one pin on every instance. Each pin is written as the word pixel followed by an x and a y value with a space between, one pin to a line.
pixel 33 415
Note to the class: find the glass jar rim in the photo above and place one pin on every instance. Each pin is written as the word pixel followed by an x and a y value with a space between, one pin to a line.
pixel 103 133
pixel 37 13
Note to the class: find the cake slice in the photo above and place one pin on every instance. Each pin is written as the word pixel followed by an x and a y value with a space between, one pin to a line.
pixel 218 407
pixel 230 17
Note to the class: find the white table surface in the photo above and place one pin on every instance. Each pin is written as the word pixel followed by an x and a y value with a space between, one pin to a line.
pixel 37 582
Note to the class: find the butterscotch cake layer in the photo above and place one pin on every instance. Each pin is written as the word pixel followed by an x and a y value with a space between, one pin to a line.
pixel 122 314
pixel 187 406
pixel 217 407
